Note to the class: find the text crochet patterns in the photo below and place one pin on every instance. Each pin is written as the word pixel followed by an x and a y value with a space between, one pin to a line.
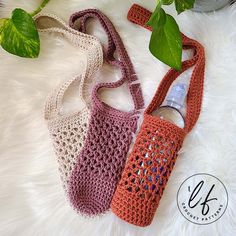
pixel 156 148
pixel 68 131
pixel 103 157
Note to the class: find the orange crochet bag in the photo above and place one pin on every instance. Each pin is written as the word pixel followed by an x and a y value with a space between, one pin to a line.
pixel 156 148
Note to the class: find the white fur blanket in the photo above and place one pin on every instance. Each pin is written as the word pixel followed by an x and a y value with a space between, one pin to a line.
pixel 31 197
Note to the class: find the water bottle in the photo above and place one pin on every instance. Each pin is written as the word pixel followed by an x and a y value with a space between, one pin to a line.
pixel 173 107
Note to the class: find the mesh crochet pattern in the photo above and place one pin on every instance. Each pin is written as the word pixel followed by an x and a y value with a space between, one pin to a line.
pixel 156 148
pixel 68 131
pixel 102 159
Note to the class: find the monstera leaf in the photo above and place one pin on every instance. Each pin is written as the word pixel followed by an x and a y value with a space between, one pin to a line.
pixel 19 36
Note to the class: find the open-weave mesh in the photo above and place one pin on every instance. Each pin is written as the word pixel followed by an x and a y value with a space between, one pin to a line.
pixel 156 148
pixel 68 130
pixel 109 136
pixel 147 171
pixel 68 136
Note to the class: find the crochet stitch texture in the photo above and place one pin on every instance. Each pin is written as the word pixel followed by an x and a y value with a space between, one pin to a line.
pixel 156 148
pixel 109 136
pixel 68 131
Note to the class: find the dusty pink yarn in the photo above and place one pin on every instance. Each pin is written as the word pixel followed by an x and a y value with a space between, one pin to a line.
pixel 102 159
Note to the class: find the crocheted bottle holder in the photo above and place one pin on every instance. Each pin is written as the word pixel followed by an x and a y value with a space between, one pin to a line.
pixel 109 136
pixel 68 130
pixel 156 148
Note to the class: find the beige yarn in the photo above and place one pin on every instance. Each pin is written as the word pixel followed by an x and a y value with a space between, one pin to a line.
pixel 68 131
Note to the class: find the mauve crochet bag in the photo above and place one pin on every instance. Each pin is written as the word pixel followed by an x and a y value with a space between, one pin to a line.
pixel 68 130
pixel 110 131
pixel 158 142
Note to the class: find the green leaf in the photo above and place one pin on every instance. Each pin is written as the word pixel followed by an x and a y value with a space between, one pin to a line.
pixel 19 35
pixel 182 5
pixel 2 22
pixel 167 2
pixel 157 19
pixel 166 43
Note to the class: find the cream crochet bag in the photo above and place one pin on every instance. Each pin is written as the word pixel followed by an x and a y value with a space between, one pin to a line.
pixel 68 131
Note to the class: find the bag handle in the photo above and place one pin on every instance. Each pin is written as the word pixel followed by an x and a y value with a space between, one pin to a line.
pixel 86 43
pixel 54 101
pixel 115 44
pixel 140 16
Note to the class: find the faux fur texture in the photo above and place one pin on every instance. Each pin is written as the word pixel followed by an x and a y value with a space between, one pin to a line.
pixel 32 200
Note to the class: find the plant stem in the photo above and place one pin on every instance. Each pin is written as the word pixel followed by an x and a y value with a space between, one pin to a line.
pixel 43 4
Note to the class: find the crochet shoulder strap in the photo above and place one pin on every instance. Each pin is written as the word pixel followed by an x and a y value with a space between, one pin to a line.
pixel 115 44
pixel 89 45
pixel 140 16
